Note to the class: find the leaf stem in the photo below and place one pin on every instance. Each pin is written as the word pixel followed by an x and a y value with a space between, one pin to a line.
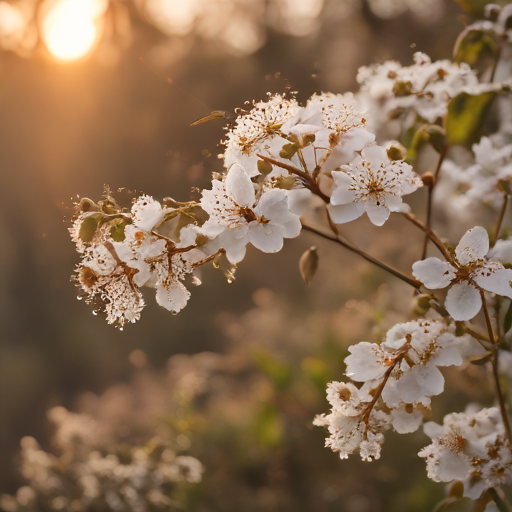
pixel 412 282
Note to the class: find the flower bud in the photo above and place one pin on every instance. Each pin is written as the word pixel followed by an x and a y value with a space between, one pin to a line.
pixel 428 180
pixel 308 264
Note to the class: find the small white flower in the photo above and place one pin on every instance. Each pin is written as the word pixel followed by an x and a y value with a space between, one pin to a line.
pixel 469 447
pixel 147 213
pixel 239 217
pixel 466 276
pixel 258 131
pixel 373 184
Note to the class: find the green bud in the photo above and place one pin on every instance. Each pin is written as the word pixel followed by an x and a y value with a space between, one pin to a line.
pixel 264 167
pixel 288 151
pixel 436 136
pixel 286 183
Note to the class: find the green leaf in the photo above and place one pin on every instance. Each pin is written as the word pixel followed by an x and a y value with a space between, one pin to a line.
pixel 117 230
pixel 507 321
pixel 88 227
pixel 474 46
pixel 465 115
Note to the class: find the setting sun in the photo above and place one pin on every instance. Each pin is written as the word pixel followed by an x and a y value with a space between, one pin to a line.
pixel 68 30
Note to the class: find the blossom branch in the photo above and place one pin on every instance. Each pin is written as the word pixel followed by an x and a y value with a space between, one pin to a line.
pixel 412 282
pixel 402 351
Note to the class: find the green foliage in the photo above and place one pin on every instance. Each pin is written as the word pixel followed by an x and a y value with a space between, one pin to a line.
pixel 474 46
pixel 465 115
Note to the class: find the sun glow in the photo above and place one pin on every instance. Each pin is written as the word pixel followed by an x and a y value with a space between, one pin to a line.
pixel 69 28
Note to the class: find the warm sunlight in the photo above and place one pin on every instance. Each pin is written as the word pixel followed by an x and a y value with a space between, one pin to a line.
pixel 69 29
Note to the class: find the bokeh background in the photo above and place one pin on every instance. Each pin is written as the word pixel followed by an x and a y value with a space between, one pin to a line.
pixel 104 92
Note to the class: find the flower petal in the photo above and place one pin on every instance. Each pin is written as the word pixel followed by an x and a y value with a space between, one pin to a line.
pixel 341 193
pixel 495 281
pixel 266 237
pixel 473 246
pixel 239 186
pixel 345 212
pixel 463 301
pixel 174 298
pixel 298 200
pixel 377 214
pixel 433 273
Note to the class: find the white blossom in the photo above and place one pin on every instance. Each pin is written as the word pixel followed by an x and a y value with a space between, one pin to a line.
pixel 348 427
pixel 258 131
pixel 466 275
pixel 425 87
pixel 470 447
pixel 493 164
pixel 416 349
pixel 371 183
pixel 238 216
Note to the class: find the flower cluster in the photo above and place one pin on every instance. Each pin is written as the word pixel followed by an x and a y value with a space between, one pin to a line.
pixel 470 447
pixel 424 88
pixel 399 377
pixel 278 155
pixel 490 176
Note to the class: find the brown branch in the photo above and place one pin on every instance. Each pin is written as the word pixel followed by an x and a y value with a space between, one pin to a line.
pixel 430 233
pixel 412 282
pixel 402 351
pixel 442 156
pixel 501 399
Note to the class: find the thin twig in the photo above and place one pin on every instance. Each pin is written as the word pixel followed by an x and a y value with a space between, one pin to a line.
pixel 412 282
pixel 501 399
pixel 500 220
pixel 431 234
pixel 429 200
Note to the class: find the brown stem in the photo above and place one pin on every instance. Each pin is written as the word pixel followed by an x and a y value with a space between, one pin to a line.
pixel 380 388
pixel 500 220
pixel 501 399
pixel 442 156
pixel 208 259
pixel 310 183
pixel 412 282
pixel 431 234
